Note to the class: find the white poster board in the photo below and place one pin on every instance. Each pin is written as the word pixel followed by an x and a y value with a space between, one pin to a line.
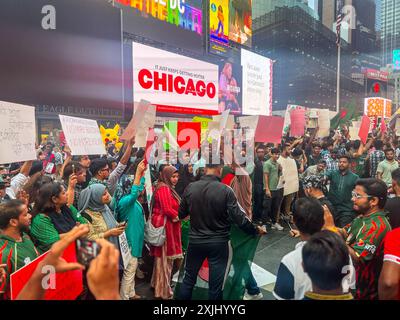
pixel 17 132
pixel 82 135
pixel 290 175
pixel 324 123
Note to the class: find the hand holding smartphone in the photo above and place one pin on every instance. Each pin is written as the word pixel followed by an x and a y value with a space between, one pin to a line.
pixel 86 251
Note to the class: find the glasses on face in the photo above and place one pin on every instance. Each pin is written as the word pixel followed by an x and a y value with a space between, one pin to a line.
pixel 355 195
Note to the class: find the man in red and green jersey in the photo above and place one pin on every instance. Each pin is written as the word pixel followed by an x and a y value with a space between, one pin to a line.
pixel 16 248
pixel 365 235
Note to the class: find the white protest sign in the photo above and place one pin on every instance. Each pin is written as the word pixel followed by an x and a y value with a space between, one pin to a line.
pixel 125 250
pixel 82 135
pixel 324 123
pixel 147 122
pixel 17 132
pixel 249 122
pixel 354 129
pixel 148 185
pixel 290 175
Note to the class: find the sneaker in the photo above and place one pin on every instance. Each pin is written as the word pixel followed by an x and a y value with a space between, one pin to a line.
pixel 248 296
pixel 277 226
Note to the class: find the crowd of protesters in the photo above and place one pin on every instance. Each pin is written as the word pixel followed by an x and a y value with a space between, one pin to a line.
pixel 343 209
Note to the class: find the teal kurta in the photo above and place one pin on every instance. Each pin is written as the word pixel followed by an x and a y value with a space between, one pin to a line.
pixel 130 210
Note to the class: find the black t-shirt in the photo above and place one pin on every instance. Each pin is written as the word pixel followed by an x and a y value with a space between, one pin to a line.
pixel 324 201
pixel 393 209
pixel 258 172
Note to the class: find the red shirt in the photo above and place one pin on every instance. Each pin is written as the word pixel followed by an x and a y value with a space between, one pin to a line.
pixel 392 248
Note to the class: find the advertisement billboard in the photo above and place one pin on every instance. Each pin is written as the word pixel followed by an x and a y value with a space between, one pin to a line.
pixel 185 14
pixel 219 22
pixel 174 83
pixel 240 21
pixel 396 59
pixel 230 86
pixel 378 107
pixel 257 84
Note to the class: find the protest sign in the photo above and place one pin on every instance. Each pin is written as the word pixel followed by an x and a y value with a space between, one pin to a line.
pixel 82 135
pixel 124 249
pixel 249 122
pixel 290 175
pixel 364 129
pixel 324 123
pixel 354 129
pixel 188 135
pixel 64 286
pixel 17 133
pixel 269 129
pixel 297 122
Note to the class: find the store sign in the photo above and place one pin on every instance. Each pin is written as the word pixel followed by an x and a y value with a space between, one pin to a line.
pixel 257 84
pixel 376 74
pixel 174 83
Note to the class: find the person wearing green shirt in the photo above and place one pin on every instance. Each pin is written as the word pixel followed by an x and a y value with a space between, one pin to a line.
pixel 53 218
pixel 386 167
pixel 273 195
pixel 16 248
pixel 342 183
pixel 128 209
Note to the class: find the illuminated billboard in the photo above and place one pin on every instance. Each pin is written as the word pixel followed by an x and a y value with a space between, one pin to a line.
pixel 240 21
pixel 185 14
pixel 396 59
pixel 219 21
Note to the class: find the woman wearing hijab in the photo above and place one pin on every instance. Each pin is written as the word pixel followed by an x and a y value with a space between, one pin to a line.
pixel 93 205
pixel 128 209
pixel 165 205
pixel 186 177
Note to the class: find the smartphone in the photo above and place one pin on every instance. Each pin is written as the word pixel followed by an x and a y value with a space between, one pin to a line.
pixel 86 251
pixel 122 224
pixel 73 169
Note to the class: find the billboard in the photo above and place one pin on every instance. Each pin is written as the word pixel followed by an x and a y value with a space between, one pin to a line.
pixel 378 107
pixel 396 59
pixel 257 84
pixel 240 21
pixel 185 14
pixel 230 86
pixel 174 83
pixel 78 64
pixel 219 25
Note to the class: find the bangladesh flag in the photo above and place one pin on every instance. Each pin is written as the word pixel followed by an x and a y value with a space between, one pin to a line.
pixel 345 115
pixel 244 248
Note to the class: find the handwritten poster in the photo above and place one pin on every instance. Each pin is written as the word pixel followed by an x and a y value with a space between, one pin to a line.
pixel 82 135
pixel 17 132
pixel 125 250
pixel 290 175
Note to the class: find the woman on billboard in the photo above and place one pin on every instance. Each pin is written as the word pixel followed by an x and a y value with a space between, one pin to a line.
pixel 228 90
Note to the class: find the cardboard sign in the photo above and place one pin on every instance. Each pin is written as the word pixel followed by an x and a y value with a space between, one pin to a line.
pixel 297 122
pixel 324 123
pixel 133 125
pixel 17 133
pixel 269 129
pixel 66 286
pixel 290 175
pixel 364 129
pixel 82 135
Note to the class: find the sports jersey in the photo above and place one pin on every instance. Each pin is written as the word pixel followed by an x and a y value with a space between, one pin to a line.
pixel 366 236
pixel 15 255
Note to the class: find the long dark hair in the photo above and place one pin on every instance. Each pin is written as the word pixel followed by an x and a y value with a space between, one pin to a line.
pixel 44 202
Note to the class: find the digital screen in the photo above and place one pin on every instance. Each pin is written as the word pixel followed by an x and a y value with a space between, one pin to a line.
pixel 396 59
pixel 240 21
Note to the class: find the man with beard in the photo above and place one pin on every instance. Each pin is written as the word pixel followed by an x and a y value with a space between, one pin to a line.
pixel 342 183
pixel 365 235
pixel 16 248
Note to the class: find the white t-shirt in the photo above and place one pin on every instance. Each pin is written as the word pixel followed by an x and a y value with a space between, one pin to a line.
pixel 291 281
